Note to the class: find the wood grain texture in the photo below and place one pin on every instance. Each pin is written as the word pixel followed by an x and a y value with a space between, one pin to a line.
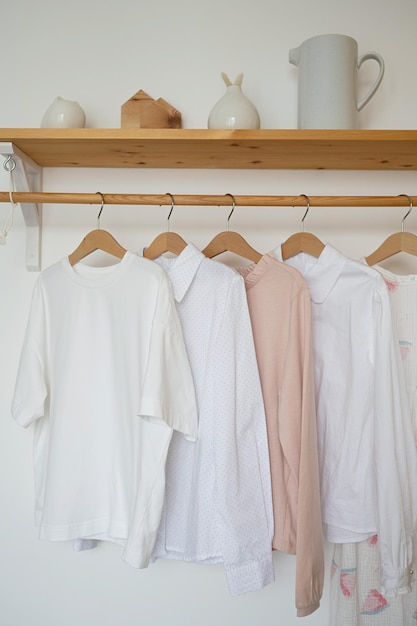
pixel 199 200
pixel 218 149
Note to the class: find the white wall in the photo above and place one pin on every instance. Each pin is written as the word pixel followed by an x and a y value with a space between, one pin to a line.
pixel 100 53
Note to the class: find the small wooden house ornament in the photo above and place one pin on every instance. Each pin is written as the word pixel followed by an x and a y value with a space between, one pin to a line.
pixel 142 111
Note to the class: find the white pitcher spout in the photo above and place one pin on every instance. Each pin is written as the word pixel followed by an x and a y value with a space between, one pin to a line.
pixel 294 56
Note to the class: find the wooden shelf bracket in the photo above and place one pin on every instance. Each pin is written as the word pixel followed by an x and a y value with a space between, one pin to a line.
pixel 27 176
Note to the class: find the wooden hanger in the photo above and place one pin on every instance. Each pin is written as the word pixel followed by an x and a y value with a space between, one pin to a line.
pixel 302 241
pixel 229 241
pixel 97 239
pixel 165 242
pixel 395 243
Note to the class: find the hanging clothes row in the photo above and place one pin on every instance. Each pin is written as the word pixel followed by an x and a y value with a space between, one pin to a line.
pixel 297 387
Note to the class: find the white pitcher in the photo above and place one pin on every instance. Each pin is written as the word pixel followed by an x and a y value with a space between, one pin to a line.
pixel 327 83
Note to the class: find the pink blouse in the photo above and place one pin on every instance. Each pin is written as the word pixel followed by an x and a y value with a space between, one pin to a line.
pixel 279 307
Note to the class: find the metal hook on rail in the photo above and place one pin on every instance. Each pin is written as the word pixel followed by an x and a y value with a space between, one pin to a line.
pixel 409 210
pixel 171 209
pixel 231 212
pixel 307 210
pixel 101 208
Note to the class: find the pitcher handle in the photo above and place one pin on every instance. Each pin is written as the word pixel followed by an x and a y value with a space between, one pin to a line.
pixel 378 58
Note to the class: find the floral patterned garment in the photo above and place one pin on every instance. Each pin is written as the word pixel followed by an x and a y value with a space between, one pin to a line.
pixel 355 599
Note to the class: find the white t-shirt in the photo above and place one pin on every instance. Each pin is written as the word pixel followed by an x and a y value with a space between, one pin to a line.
pixel 103 346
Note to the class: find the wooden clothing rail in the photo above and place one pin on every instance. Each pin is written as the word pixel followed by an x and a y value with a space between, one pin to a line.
pixel 206 200
pixel 29 201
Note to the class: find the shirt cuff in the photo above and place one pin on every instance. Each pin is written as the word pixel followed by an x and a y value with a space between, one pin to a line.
pixel 396 582
pixel 307 610
pixel 139 556
pixel 250 576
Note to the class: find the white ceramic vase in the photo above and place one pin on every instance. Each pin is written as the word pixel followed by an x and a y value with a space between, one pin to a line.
pixel 234 109
pixel 63 114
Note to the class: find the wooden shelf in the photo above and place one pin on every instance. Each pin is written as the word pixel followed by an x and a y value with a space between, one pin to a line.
pixel 35 148
pixel 218 149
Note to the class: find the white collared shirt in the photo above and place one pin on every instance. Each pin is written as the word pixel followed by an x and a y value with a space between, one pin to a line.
pixel 218 504
pixel 368 466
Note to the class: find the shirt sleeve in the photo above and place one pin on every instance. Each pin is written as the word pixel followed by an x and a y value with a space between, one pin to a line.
pixel 31 388
pixel 243 483
pixel 300 507
pixel 168 394
pixel 394 454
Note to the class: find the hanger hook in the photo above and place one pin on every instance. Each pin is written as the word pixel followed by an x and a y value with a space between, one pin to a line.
pixel 171 209
pixel 307 210
pixel 409 210
pixel 101 208
pixel 231 212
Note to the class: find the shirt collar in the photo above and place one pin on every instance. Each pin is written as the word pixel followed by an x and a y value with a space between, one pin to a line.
pixel 182 269
pixel 322 274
